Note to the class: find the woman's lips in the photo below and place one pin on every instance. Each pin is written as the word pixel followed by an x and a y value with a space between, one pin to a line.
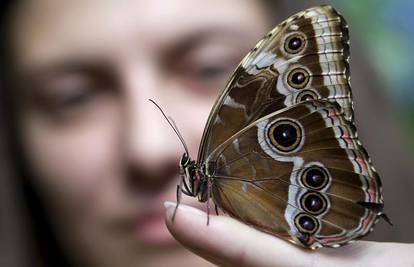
pixel 150 229
pixel 148 226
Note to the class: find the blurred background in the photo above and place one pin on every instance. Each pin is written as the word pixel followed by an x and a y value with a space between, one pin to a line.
pixel 386 30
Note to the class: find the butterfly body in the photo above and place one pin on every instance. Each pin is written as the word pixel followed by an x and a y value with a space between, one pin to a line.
pixel 280 151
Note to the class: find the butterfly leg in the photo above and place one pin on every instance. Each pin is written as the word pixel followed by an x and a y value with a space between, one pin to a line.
pixel 180 190
pixel 179 194
pixel 208 199
pixel 386 218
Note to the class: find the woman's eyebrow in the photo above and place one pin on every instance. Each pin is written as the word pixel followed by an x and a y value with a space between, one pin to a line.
pixel 193 39
pixel 56 67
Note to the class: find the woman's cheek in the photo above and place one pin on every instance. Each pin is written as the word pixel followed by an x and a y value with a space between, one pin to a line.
pixel 70 162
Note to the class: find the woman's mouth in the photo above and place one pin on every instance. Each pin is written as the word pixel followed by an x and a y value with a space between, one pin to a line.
pixel 150 229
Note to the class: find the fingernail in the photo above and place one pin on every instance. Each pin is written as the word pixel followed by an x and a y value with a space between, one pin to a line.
pixel 170 207
pixel 169 204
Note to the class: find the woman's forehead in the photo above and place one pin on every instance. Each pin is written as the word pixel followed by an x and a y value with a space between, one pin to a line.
pixel 48 28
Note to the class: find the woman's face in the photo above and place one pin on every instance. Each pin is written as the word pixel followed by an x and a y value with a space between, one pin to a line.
pixel 102 156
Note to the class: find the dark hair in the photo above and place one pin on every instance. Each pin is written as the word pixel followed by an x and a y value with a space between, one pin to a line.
pixel 27 237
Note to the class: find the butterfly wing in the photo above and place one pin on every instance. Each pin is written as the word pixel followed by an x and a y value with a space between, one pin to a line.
pixel 299 173
pixel 305 57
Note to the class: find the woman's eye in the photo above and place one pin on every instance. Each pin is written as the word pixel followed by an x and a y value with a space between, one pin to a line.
pixel 76 99
pixel 210 73
pixel 71 96
pixel 206 67
pixel 207 78
pixel 65 102
pixel 76 104
pixel 70 93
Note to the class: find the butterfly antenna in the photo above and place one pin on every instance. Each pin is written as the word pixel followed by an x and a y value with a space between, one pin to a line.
pixel 173 126
pixel 178 133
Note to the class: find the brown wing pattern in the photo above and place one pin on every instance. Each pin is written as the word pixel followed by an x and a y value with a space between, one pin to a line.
pixel 305 57
pixel 300 174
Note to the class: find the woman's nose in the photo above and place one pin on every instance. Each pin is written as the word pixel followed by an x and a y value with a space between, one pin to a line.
pixel 151 147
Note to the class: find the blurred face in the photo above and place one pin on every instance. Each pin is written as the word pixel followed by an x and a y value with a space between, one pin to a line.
pixel 102 156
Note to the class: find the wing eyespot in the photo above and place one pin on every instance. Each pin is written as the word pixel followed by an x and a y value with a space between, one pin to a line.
pixel 306 224
pixel 306 95
pixel 315 178
pixel 298 78
pixel 285 135
pixel 314 203
pixel 295 43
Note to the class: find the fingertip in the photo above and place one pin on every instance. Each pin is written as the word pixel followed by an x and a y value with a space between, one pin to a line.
pixel 180 217
pixel 172 207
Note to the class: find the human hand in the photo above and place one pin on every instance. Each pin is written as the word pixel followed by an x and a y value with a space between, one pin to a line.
pixel 227 242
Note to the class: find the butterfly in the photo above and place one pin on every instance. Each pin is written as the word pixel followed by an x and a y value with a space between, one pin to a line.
pixel 280 150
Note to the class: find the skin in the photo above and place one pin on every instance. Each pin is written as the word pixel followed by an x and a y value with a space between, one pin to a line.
pixel 102 156
pixel 227 242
